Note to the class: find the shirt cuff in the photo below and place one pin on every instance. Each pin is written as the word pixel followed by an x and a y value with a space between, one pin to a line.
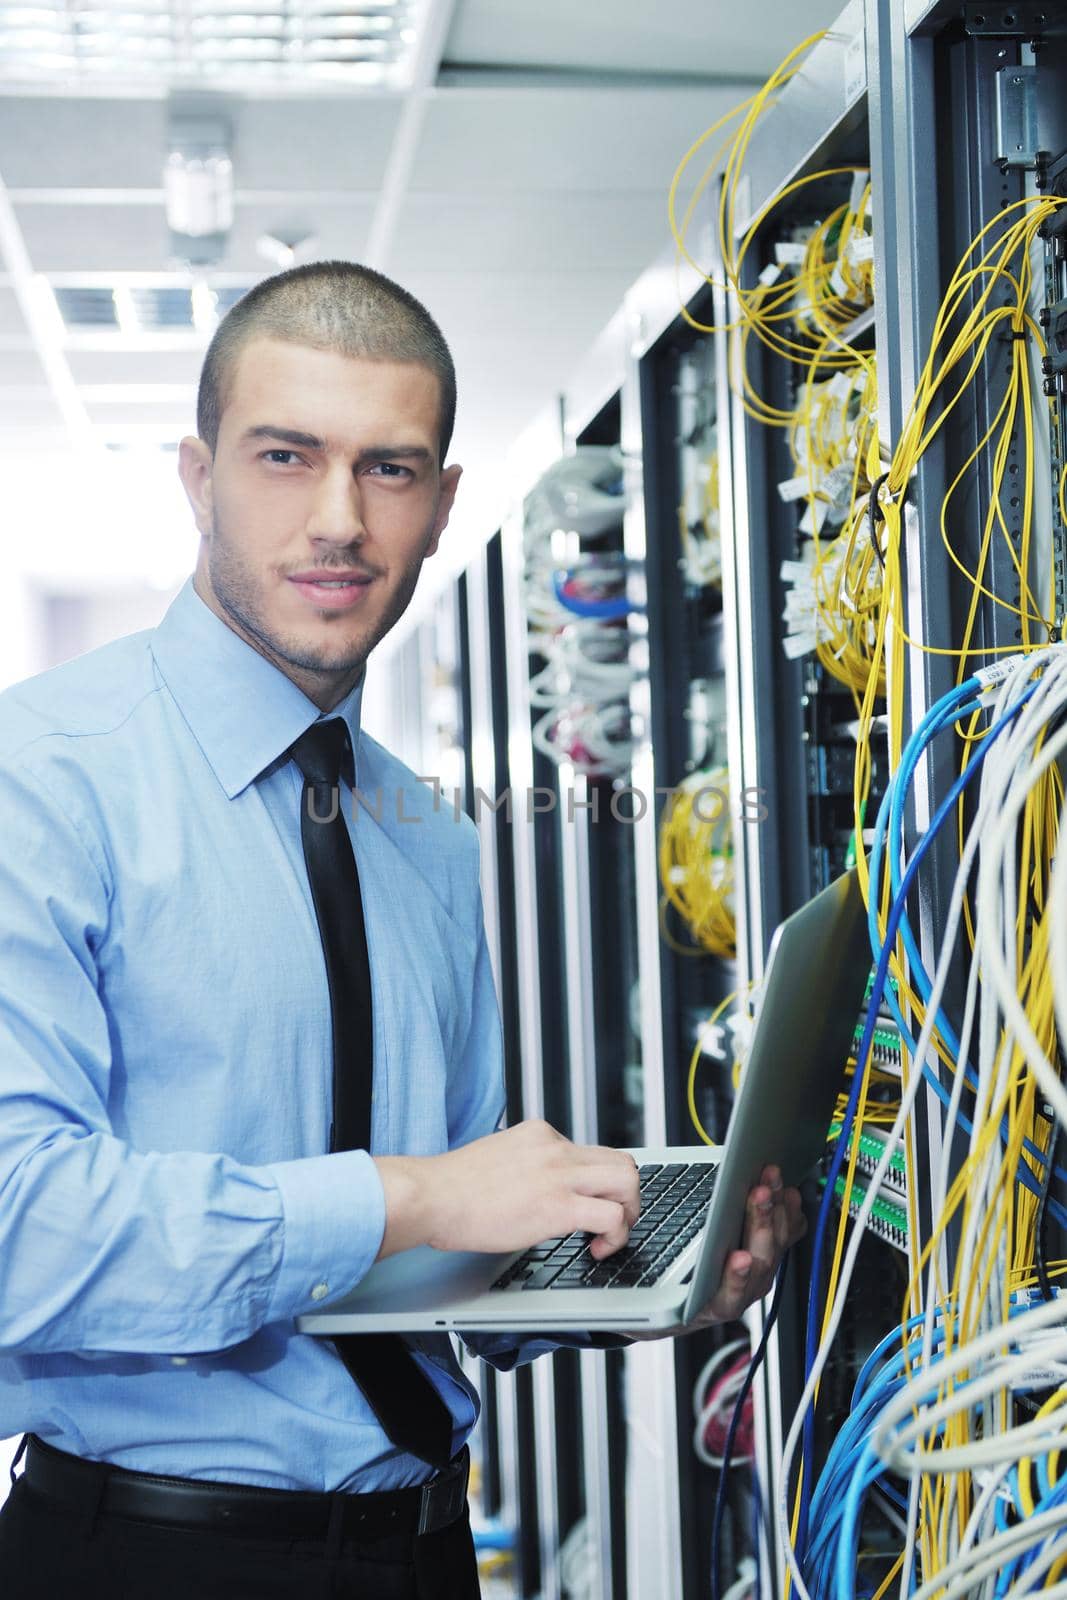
pixel 333 1217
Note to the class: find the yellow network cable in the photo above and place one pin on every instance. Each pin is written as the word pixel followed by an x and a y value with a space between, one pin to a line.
pixel 694 1062
pixel 700 541
pixel 859 599
pixel 1005 1231
pixel 989 264
pixel 696 864
pixel 753 107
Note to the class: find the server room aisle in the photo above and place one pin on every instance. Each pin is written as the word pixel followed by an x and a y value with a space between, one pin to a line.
pixel 752 589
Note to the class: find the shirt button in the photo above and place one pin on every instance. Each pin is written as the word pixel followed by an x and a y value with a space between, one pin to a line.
pixel 320 1291
pixel 179 1361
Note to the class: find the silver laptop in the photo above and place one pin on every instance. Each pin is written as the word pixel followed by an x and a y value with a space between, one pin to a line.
pixel 692 1199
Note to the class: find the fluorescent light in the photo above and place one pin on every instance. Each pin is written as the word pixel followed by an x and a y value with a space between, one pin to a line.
pixel 181 42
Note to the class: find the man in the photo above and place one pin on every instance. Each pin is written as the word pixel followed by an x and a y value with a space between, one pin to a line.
pixel 178 1178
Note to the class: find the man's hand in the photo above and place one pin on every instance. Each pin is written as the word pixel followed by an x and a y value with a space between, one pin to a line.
pixel 773 1223
pixel 508 1191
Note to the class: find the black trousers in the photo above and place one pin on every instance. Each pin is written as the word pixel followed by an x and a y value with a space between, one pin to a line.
pixel 49 1551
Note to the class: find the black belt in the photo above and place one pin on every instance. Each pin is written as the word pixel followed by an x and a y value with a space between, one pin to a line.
pixel 96 1487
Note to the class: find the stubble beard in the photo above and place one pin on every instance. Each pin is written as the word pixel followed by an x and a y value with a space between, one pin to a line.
pixel 239 593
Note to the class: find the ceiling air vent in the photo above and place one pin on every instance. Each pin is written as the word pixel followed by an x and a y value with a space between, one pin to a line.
pixel 159 310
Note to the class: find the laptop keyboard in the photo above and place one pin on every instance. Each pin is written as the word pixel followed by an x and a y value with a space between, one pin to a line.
pixel 674 1203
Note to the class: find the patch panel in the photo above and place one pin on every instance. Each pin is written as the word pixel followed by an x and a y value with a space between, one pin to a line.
pixel 872 1148
pixel 886 1048
pixel 888 1218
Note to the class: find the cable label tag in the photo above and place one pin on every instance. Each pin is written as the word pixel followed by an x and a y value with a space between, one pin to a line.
pixel 997 671
pixel 790 253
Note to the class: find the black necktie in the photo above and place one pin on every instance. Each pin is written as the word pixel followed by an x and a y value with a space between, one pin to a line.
pixel 403 1399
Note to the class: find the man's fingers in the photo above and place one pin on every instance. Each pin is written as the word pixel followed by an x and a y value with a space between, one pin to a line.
pixel 612 1180
pixel 759 1239
pixel 735 1292
pixel 604 1218
pixel 790 1222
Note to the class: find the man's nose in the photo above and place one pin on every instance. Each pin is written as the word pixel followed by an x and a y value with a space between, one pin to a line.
pixel 337 511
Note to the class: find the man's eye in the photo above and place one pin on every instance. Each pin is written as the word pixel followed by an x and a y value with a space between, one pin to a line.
pixel 272 455
pixel 391 469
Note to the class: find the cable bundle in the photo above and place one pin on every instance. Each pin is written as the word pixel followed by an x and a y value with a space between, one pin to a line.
pixel 1004 1080
pixel 696 863
pixel 836 586
pixel 576 605
pixel 713 1406
pixel 698 525
pixel 987 299
pixel 801 317
pixel 938 1426
pixel 803 308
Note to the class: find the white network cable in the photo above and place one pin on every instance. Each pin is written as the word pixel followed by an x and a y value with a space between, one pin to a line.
pixel 994 1358
pixel 719 1404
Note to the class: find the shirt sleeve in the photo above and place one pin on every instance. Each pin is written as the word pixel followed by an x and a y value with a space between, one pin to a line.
pixel 104 1247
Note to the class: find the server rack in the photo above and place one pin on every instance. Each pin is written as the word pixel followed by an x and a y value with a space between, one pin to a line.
pixel 783 706
pixel 912 89
pixel 558 869
pixel 936 125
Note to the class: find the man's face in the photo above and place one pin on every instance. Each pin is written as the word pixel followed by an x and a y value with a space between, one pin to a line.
pixel 325 468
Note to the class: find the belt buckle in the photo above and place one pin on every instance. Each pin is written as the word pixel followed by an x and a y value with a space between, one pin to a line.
pixel 443 1498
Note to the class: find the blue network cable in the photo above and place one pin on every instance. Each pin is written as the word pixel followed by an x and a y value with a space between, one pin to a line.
pixel 897 908
pixel 735 1422
pixel 947 711
pixel 869 1397
pixel 851 1470
pixel 612 610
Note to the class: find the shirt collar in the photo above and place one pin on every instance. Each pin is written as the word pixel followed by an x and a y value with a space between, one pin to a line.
pixel 242 710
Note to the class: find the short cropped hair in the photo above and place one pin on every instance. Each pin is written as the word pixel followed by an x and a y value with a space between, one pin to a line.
pixel 329 305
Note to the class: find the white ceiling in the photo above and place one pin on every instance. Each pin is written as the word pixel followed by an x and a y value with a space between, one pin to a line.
pixel 518 189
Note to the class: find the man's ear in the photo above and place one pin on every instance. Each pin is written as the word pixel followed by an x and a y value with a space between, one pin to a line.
pixel 446 495
pixel 194 469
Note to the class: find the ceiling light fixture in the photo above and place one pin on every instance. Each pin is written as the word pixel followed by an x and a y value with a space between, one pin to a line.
pixel 277 44
pixel 287 247
pixel 198 186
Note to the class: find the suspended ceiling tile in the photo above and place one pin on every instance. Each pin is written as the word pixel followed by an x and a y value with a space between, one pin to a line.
pixel 522 302
pixel 53 142
pixel 29 406
pixel 538 139
pixel 164 366
pixel 625 35
pixel 94 144
pixel 136 238
pixel 94 238
pixel 21 368
pixel 324 143
pixel 179 418
pixel 521 232
pixel 12 322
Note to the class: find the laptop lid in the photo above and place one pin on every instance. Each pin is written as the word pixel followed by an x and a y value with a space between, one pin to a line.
pixel 813 988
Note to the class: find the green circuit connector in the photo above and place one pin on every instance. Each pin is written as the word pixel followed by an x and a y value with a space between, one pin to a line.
pixel 871 1145
pixel 887 1219
pixel 890 983
pixel 885 1045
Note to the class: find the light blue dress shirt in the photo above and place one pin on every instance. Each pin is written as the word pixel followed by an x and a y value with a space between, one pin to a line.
pixel 166 1205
